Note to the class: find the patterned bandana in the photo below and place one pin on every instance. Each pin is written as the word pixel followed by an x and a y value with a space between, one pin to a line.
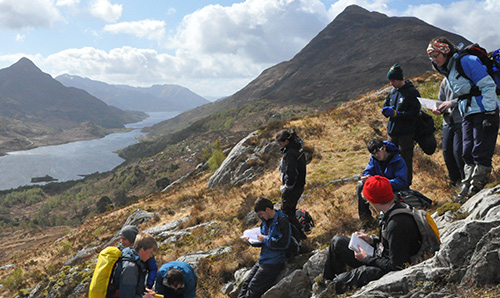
pixel 439 47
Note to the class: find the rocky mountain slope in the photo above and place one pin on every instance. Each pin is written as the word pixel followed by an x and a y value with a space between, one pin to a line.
pixel 156 98
pixel 202 225
pixel 349 57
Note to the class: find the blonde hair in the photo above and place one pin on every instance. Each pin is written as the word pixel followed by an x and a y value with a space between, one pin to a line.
pixel 144 241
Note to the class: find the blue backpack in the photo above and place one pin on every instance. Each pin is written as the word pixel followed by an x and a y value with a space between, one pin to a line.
pixel 492 63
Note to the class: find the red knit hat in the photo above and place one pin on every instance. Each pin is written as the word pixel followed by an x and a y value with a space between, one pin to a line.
pixel 378 190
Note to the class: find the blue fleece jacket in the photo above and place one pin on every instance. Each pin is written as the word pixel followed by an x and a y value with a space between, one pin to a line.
pixel 395 170
pixel 278 235
pixel 190 278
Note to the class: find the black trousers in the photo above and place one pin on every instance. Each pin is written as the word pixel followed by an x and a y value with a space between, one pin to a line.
pixel 405 144
pixel 289 201
pixel 260 279
pixel 339 256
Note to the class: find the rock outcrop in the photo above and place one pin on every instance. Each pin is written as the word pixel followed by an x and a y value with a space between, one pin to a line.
pixel 243 164
pixel 469 256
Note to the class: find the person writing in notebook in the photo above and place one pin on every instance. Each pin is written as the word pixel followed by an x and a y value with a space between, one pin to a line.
pixel 393 249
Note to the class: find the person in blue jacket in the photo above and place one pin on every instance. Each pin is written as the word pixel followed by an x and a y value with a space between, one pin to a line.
pixel 274 239
pixel 176 280
pixel 127 239
pixel 478 106
pixel 387 162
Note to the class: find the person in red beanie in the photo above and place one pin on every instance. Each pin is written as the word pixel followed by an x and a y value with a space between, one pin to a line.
pixel 392 250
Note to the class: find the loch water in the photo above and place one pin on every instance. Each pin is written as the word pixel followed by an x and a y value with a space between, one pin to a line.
pixel 73 160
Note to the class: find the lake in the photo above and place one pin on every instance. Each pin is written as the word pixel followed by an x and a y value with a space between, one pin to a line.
pixel 72 160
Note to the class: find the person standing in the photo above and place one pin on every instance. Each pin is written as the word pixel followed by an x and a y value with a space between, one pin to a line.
pixel 293 175
pixel 452 132
pixel 402 108
pixel 274 239
pixel 478 105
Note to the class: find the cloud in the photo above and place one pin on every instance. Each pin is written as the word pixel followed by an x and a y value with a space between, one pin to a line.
pixel 480 24
pixel 19 14
pixel 171 11
pixel 258 30
pixel 150 29
pixel 20 37
pixel 104 10
pixel 70 3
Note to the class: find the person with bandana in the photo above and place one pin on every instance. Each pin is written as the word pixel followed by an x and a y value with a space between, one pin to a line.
pixel 478 106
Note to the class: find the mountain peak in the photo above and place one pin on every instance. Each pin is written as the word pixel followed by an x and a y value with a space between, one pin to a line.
pixel 24 64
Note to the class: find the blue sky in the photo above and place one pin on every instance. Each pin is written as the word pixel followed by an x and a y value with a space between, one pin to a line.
pixel 212 47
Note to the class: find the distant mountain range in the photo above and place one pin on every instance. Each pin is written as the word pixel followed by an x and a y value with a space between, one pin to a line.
pixel 32 96
pixel 156 98
pixel 351 56
pixel 37 110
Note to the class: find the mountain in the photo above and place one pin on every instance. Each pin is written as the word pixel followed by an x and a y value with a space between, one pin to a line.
pixel 351 56
pixel 153 99
pixel 29 95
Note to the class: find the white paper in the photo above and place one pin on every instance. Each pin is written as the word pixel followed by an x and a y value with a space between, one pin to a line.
pixel 428 103
pixel 355 241
pixel 252 235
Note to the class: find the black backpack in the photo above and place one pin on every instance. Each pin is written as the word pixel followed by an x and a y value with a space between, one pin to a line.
pixel 414 198
pixel 424 135
pixel 492 64
pixel 305 219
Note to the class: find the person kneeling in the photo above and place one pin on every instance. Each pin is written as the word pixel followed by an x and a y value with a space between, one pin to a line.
pixel 176 279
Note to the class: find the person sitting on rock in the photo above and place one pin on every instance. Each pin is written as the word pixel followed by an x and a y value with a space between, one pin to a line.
pixel 393 249
pixel 275 237
pixel 176 280
pixel 385 161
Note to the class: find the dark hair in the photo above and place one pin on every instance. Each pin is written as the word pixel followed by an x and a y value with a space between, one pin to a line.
pixel 174 276
pixel 374 144
pixel 445 40
pixel 262 203
pixel 286 134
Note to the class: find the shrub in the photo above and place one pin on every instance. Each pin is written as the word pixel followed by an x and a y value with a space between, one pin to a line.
pixel 104 204
pixel 14 280
pixel 216 159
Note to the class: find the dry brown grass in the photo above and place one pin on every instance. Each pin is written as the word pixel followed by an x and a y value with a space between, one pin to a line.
pixel 337 140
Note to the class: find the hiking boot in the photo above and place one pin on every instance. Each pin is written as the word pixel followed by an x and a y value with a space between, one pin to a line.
pixel 463 194
pixel 466 183
pixel 480 177
pixel 336 287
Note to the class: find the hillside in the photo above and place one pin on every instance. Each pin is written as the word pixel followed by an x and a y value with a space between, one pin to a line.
pixel 38 110
pixel 349 57
pixel 335 140
pixel 156 98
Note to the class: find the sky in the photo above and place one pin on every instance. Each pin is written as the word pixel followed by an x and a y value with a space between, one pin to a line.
pixel 212 47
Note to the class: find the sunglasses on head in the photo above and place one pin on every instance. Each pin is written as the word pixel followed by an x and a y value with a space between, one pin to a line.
pixel 376 150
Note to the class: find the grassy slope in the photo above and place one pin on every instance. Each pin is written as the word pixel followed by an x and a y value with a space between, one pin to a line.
pixel 337 138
